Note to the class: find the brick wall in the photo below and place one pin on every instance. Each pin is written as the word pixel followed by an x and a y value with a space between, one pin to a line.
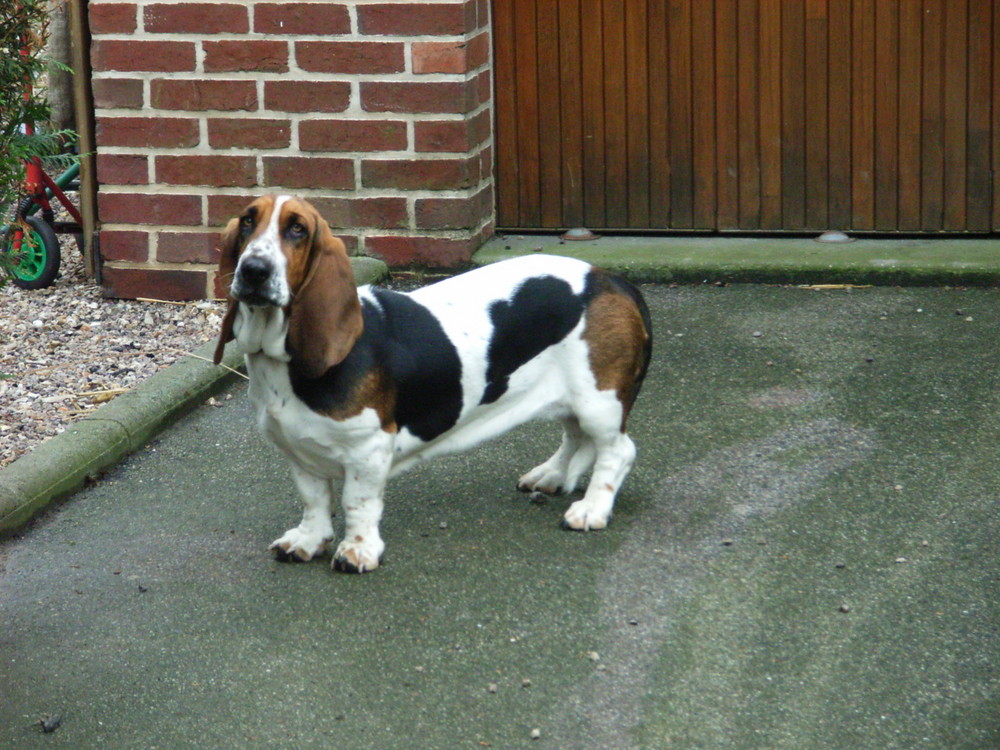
pixel 379 113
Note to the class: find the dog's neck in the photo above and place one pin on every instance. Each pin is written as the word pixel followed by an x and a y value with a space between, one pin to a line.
pixel 261 330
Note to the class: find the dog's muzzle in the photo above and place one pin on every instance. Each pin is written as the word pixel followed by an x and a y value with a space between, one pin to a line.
pixel 255 282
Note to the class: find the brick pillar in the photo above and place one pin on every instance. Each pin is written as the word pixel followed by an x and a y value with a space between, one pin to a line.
pixel 378 113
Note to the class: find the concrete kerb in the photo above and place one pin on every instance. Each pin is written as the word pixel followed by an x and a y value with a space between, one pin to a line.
pixel 64 463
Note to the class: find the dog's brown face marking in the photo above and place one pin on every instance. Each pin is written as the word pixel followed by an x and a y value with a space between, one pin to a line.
pixel 295 226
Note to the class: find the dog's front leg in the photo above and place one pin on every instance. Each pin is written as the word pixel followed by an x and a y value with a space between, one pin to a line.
pixel 364 483
pixel 311 536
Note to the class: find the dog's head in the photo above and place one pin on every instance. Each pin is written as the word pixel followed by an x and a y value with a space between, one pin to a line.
pixel 280 253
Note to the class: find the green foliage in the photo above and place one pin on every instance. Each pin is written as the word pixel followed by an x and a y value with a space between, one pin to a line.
pixel 23 30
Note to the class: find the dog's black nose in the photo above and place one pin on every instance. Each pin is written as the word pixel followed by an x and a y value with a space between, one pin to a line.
pixel 254 271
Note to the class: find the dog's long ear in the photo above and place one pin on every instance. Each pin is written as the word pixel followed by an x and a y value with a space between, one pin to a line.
pixel 227 267
pixel 325 316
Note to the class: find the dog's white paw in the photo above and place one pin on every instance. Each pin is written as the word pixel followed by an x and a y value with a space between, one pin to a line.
pixel 585 516
pixel 299 545
pixel 358 555
pixel 543 479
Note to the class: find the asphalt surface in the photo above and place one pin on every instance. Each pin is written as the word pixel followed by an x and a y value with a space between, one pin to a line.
pixel 804 556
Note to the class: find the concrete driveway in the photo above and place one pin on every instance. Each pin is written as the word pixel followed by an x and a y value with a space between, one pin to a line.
pixel 805 556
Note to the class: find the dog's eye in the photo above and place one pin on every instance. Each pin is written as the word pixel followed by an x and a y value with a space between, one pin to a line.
pixel 246 223
pixel 296 230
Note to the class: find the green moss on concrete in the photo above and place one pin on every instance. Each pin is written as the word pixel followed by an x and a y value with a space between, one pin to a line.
pixel 796 260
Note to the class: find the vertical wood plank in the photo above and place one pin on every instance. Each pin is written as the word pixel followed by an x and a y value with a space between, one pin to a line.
pixel 592 80
pixel 793 130
pixel 703 114
pixel 748 99
pixel 817 67
pixel 681 148
pixel 839 114
pixel 659 116
pixel 615 123
pixel 571 113
pixel 979 189
pixel 931 145
pixel 955 112
pixel 727 115
pixel 863 116
pixel 508 213
pixel 996 117
pixel 910 65
pixel 637 111
pixel 526 54
pixel 770 114
pixel 549 120
pixel 886 114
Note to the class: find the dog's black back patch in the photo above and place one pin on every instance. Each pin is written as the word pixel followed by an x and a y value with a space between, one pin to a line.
pixel 408 346
pixel 541 313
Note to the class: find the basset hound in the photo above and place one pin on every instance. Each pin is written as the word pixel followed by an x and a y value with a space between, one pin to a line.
pixel 357 385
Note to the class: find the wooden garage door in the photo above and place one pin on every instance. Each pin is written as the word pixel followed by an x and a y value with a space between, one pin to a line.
pixel 874 115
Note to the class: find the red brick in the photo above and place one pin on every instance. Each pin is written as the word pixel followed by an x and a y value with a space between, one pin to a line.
pixel 484 87
pixel 201 94
pixel 112 18
pixel 248 133
pixel 307 96
pixel 458 136
pixel 207 169
pixel 156 132
pixel 124 245
pixel 413 19
pixel 351 57
pixel 122 169
pixel 453 213
pixel 187 247
pixel 421 251
pixel 301 18
pixel 129 283
pixel 379 212
pixel 222 208
pixel 422 174
pixel 196 18
pixel 439 57
pixel 117 93
pixel 451 97
pixel 478 51
pixel 141 55
pixel 254 55
pixel 148 208
pixel 352 135
pixel 308 172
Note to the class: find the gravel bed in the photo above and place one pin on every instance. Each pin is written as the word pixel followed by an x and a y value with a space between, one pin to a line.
pixel 66 350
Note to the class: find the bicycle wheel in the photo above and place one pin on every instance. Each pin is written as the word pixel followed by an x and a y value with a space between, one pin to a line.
pixel 36 265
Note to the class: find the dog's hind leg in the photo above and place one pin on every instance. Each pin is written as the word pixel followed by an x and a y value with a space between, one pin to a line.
pixel 557 475
pixel 613 454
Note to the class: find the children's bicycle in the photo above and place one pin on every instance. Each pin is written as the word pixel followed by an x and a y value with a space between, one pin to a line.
pixel 31 240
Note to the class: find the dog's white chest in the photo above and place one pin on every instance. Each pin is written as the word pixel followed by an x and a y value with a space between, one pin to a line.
pixel 321 445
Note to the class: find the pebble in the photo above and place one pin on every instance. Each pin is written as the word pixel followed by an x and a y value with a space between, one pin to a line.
pixel 536 734
pixel 845 608
pixel 492 687
pixel 68 339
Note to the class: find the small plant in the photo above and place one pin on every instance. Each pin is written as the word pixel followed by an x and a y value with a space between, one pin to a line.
pixel 23 102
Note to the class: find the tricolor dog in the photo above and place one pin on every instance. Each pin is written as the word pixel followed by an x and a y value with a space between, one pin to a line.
pixel 355 386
